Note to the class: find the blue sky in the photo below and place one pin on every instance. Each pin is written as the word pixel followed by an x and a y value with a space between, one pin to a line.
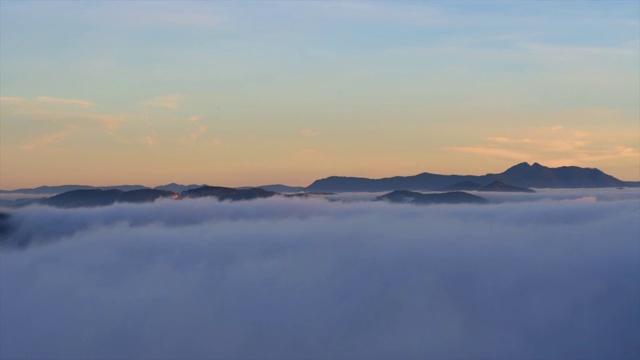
pixel 256 92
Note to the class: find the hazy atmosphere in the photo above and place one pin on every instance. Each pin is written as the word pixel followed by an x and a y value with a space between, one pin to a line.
pixel 252 93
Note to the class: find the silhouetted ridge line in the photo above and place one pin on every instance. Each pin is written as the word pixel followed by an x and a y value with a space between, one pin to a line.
pixel 178 188
pixel 454 197
pixel 224 193
pixel 99 197
pixel 521 175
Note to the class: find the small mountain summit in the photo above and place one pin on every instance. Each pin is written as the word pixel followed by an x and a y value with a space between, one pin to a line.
pixel 412 197
pixel 144 195
pixel 224 193
pixel 499 186
pixel 84 198
pixel 177 188
pixel 540 176
pixel 100 197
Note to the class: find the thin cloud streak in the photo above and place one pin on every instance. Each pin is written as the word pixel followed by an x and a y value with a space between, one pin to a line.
pixel 170 102
pixel 308 133
pixel 200 129
pixel 74 102
pixel 491 152
pixel 48 139
pixel 555 145
pixel 12 100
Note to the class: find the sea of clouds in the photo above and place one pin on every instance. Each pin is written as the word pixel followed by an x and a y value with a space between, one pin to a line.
pixel 550 275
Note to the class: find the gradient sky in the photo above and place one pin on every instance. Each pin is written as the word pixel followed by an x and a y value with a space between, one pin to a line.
pixel 252 93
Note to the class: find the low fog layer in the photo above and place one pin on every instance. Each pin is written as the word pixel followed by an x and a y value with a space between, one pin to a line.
pixel 309 278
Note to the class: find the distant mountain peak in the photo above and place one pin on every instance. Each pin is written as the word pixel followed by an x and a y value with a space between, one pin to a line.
pixel 522 175
pixel 522 166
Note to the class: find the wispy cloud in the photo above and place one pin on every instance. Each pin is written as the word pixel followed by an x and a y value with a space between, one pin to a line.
pixel 576 54
pixel 112 121
pixel 555 145
pixel 12 100
pixel 72 114
pixel 309 156
pixel 171 102
pixel 48 139
pixel 491 152
pixel 171 14
pixel 72 102
pixel 308 133
pixel 199 130
pixel 59 109
pixel 149 140
pixel 198 127
pixel 615 153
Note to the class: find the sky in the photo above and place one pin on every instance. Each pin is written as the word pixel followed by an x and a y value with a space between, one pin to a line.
pixel 548 275
pixel 254 93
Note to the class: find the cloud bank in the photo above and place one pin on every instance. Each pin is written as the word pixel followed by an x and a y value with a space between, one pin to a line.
pixel 292 278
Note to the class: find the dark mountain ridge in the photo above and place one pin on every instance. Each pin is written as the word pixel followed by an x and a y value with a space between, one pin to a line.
pixel 100 197
pixel 520 175
pixel 282 188
pixel 412 197
pixel 224 193
pixel 498 186
pixel 178 188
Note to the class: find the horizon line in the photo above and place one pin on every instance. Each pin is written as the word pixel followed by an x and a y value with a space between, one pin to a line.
pixel 303 186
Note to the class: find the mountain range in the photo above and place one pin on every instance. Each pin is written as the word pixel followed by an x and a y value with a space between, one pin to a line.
pixel 448 189
pixel 517 178
pixel 520 175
